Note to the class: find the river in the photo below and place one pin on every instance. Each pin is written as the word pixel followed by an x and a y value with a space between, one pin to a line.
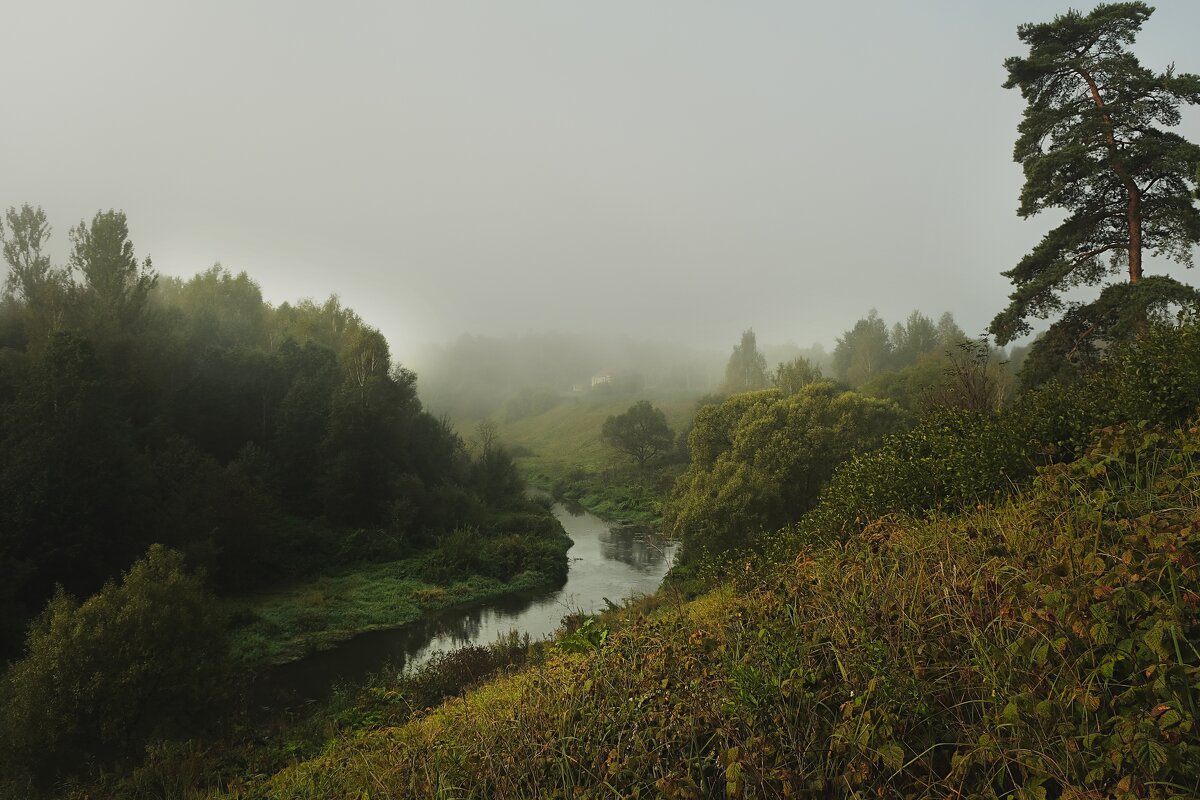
pixel 607 561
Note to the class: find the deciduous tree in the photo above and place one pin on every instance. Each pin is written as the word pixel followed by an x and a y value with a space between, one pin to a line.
pixel 640 433
pixel 759 461
pixel 116 284
pixel 863 351
pixel 746 370
pixel 794 375
pixel 914 337
pixel 32 281
pixel 137 660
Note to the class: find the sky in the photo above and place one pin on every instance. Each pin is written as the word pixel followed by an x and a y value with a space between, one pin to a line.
pixel 672 170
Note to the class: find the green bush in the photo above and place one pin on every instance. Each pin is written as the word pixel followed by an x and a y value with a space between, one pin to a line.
pixel 140 660
pixel 954 459
pixel 504 556
pixel 760 459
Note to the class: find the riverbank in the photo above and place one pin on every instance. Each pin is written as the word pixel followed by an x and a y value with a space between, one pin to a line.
pixel 621 499
pixel 387 613
pixel 520 551
pixel 291 622
pixel 560 452
pixel 835 667
pixel 385 678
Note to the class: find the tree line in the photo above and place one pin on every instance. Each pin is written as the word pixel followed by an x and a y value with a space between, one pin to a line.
pixel 137 408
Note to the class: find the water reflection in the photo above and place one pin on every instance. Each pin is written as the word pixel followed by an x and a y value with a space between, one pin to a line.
pixel 606 562
pixel 572 508
pixel 635 546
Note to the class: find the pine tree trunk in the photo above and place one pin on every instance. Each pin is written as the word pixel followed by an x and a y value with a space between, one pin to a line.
pixel 1133 211
pixel 1134 216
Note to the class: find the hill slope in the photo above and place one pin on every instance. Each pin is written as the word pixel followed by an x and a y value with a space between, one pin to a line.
pixel 1045 646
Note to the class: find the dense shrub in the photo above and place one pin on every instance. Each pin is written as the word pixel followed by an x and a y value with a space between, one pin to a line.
pixel 956 458
pixel 141 659
pixel 616 496
pixel 760 459
pixel 504 556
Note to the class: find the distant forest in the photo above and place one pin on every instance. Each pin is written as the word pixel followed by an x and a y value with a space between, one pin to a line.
pixel 509 378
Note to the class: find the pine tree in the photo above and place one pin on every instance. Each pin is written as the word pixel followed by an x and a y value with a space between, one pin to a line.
pixel 1095 141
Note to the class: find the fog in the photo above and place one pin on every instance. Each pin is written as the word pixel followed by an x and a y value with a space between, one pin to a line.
pixel 676 171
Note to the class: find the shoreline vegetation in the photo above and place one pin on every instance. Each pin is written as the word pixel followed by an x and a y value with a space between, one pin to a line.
pixel 288 623
pixel 560 452
pixel 620 502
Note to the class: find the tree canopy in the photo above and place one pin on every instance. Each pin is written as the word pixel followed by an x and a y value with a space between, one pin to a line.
pixel 1095 141
pixel 100 678
pixel 760 459
pixel 641 432
pixel 746 370
pixel 869 351
pixel 792 376
pixel 136 409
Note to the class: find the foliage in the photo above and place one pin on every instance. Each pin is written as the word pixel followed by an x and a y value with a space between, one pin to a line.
pixel 35 287
pixel 1076 342
pixel 915 337
pixel 591 635
pixel 760 459
pixel 1039 647
pixel 792 376
pixel 614 496
pixel 869 355
pixel 467 566
pixel 640 433
pixel 958 456
pixel 503 557
pixel 29 265
pixel 137 661
pixel 862 351
pixel 973 381
pixel 746 370
pixel 259 441
pixel 1095 141
pixel 910 386
pixel 116 286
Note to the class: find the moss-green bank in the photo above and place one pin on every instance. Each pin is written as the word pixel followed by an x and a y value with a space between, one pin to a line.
pixel 288 623
pixel 560 452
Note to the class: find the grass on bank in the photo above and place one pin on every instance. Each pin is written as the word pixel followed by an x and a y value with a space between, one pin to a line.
pixel 567 437
pixel 619 496
pixel 1040 647
pixel 287 623
pixel 560 452
pixel 524 552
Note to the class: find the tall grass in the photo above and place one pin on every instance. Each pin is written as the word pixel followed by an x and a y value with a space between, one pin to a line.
pixel 1044 646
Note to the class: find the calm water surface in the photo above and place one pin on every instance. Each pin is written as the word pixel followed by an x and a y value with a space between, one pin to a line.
pixel 606 562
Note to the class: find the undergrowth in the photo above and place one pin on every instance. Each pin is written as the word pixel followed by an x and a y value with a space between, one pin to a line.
pixel 466 567
pixel 624 497
pixel 1041 646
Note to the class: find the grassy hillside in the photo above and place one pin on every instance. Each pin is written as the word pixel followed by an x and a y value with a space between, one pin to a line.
pixel 567 437
pixel 560 450
pixel 1044 646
